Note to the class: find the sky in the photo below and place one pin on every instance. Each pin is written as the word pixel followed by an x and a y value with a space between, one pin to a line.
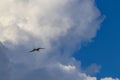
pixel 105 50
pixel 78 36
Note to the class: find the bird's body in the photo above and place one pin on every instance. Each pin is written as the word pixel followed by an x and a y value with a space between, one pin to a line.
pixel 36 49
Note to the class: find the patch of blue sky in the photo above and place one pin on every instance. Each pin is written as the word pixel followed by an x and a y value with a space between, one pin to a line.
pixel 105 48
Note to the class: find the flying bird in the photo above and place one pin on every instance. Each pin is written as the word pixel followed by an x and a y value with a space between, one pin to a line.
pixel 36 49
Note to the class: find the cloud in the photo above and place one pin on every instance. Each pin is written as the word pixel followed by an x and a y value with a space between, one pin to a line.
pixel 109 78
pixel 92 69
pixel 46 20
pixel 59 26
pixel 4 64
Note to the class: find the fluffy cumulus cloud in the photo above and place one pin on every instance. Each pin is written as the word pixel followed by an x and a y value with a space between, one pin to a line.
pixel 61 27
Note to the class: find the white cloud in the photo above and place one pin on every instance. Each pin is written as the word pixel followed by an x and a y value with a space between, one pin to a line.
pixel 109 78
pixel 59 26
pixel 67 67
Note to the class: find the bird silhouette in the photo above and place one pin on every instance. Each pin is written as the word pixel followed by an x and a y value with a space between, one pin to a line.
pixel 36 49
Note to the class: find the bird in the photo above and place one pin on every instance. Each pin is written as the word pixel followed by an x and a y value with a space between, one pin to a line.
pixel 36 49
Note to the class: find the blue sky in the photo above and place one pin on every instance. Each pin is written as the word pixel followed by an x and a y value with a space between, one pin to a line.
pixel 105 48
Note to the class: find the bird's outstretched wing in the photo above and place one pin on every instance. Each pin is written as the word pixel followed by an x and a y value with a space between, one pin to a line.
pixel 33 50
pixel 41 48
pixel 36 49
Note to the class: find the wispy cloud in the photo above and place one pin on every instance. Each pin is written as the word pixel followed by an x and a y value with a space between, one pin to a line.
pixel 59 26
